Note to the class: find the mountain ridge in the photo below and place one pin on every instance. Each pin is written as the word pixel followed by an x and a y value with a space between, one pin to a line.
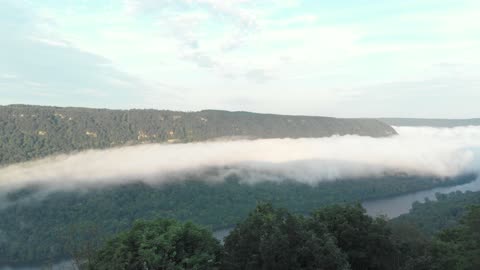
pixel 30 132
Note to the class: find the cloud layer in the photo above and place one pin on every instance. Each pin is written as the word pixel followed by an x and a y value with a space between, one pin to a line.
pixel 285 57
pixel 416 151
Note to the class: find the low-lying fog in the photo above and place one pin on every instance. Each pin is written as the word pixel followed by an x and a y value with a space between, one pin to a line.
pixel 442 152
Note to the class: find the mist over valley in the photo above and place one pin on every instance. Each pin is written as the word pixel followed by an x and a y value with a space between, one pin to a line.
pixel 239 135
pixel 217 182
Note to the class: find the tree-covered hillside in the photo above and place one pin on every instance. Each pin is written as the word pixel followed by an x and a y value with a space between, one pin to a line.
pixel 29 132
pixel 35 226
pixel 445 212
pixel 337 237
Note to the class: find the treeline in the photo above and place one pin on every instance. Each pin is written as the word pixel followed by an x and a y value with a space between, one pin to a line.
pixel 34 223
pixel 330 238
pixel 445 212
pixel 29 132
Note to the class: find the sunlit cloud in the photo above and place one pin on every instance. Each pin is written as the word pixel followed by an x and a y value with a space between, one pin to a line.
pixel 437 152
pixel 338 54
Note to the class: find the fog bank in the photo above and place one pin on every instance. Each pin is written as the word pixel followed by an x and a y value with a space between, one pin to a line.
pixel 442 152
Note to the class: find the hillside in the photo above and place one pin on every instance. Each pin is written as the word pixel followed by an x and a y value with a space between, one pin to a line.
pixel 47 219
pixel 30 132
pixel 418 122
pixel 444 212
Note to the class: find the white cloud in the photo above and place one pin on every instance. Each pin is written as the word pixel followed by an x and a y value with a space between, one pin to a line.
pixel 8 76
pixel 258 75
pixel 186 22
pixel 201 59
pixel 335 52
pixel 51 42
pixel 416 151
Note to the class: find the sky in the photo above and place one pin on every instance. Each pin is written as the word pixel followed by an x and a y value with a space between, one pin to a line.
pixel 349 58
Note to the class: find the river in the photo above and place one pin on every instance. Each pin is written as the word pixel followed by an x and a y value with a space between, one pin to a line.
pixel 395 206
pixel 392 207
pixel 398 205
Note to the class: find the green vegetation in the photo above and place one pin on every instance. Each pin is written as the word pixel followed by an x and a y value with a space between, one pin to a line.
pixel 441 234
pixel 30 132
pixel 34 227
pixel 160 244
pixel 365 240
pixel 444 212
pixel 335 237
pixel 276 239
pixel 456 248
pixel 39 226
pixel 459 247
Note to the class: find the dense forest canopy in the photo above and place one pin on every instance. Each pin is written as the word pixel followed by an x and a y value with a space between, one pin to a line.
pixel 30 132
pixel 40 225
pixel 161 244
pixel 34 223
pixel 444 212
pixel 337 237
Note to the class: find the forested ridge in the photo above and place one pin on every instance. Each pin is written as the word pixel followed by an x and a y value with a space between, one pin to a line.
pixel 140 226
pixel 34 225
pixel 29 132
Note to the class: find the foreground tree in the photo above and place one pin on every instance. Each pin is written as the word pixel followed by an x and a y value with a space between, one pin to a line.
pixel 365 240
pixel 458 248
pixel 333 237
pixel 163 245
pixel 275 239
pixel 411 247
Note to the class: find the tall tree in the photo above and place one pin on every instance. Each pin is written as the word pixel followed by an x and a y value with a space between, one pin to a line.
pixel 458 248
pixel 275 239
pixel 163 245
pixel 365 240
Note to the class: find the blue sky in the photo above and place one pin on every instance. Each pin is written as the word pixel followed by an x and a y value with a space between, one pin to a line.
pixel 351 58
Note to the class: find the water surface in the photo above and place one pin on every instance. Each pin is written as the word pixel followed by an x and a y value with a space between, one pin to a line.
pixel 391 207
pixel 398 205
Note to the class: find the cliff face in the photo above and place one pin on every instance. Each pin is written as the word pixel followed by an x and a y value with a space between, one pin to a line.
pixel 28 132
